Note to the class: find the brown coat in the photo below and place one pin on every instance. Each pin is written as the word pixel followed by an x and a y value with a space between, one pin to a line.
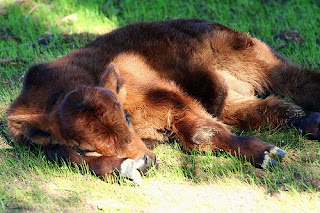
pixel 179 78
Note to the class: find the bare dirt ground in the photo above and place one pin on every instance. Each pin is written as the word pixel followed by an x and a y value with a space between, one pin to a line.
pixel 220 197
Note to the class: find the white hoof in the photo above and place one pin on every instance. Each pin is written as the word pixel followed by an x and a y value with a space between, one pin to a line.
pixel 271 157
pixel 129 170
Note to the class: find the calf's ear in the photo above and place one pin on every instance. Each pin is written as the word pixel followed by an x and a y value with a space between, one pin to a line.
pixel 34 127
pixel 111 79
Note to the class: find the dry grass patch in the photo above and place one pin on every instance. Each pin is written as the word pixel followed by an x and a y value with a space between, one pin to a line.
pixel 165 196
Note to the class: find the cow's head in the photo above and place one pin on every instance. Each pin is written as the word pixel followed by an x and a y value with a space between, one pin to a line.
pixel 93 118
pixel 89 119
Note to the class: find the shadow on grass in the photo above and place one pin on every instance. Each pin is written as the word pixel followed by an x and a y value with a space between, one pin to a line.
pixel 291 174
pixel 196 166
pixel 26 35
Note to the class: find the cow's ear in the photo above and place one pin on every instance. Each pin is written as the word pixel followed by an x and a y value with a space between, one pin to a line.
pixel 111 79
pixel 34 127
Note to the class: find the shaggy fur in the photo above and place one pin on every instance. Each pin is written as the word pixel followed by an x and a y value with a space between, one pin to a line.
pixel 180 78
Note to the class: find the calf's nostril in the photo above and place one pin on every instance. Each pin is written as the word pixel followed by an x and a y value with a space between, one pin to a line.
pixel 145 162
pixel 142 164
pixel 146 159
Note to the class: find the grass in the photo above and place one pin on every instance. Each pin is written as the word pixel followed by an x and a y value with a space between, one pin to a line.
pixel 39 31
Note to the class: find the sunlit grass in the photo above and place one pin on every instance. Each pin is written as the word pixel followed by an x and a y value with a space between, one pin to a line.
pixel 30 182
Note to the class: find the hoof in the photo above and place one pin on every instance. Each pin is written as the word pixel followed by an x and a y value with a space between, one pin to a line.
pixel 272 157
pixel 310 126
pixel 129 170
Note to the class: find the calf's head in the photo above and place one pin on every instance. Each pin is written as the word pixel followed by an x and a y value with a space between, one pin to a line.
pixel 93 119
pixel 90 119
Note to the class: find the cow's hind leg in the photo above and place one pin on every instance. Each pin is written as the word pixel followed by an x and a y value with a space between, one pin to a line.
pixel 271 112
pixel 101 165
pixel 302 85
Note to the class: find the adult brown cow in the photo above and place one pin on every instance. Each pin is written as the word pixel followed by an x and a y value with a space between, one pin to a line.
pixel 181 78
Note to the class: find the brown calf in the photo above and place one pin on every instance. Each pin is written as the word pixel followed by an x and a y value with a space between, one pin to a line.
pixel 184 78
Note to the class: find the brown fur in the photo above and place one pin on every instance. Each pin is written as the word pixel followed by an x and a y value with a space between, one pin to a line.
pixel 183 77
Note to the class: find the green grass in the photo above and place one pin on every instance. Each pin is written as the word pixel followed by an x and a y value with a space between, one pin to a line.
pixel 39 31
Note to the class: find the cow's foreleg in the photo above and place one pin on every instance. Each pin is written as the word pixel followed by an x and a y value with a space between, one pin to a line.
pixel 101 165
pixel 198 132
